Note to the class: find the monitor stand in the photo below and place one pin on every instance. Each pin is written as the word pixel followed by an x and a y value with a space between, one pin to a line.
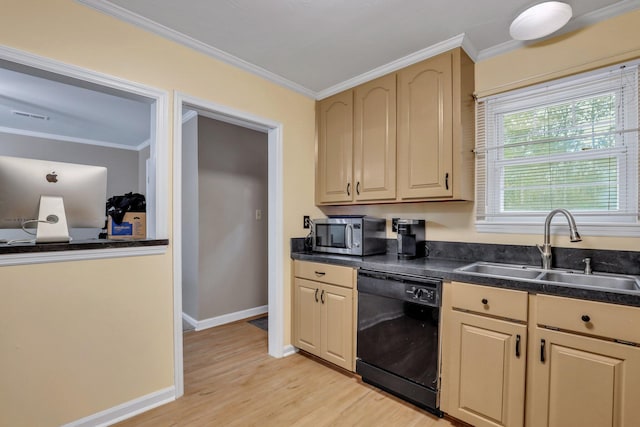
pixel 52 221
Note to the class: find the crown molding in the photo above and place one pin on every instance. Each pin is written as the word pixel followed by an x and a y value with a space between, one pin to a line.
pixel 173 35
pixel 582 21
pixel 460 40
pixel 64 138
pixel 468 47
pixel 396 65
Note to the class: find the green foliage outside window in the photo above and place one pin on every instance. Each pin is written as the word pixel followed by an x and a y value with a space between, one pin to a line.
pixel 560 156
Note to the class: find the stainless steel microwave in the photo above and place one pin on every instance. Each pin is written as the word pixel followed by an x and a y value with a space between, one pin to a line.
pixel 350 235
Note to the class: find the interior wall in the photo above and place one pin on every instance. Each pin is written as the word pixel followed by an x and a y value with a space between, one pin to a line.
pixel 232 186
pixel 121 164
pixel 599 45
pixel 605 43
pixel 190 218
pixel 132 324
pixel 143 156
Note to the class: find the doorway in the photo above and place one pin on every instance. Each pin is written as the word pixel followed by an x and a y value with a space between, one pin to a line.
pixel 224 222
pixel 273 131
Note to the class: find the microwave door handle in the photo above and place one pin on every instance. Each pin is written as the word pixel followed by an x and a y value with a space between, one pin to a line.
pixel 349 236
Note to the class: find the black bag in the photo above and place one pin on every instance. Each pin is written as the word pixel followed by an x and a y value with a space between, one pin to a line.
pixel 117 206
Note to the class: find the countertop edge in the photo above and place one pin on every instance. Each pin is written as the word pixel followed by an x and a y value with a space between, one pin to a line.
pixel 444 269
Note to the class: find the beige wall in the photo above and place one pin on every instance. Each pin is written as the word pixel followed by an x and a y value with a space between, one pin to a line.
pixel 73 340
pixel 608 42
pixel 232 167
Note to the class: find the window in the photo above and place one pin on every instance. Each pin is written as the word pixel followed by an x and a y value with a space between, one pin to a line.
pixel 571 143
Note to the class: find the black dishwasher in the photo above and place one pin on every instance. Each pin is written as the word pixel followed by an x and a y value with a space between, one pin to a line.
pixel 398 325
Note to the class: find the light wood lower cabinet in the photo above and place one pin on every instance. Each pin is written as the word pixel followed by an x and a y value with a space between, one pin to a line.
pixel 577 380
pixel 576 364
pixel 324 312
pixel 484 358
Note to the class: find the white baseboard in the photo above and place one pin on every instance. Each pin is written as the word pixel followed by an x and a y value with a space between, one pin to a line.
pixel 225 318
pixel 289 350
pixel 190 320
pixel 126 410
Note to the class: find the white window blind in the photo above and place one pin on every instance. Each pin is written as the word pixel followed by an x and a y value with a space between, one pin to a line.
pixel 571 143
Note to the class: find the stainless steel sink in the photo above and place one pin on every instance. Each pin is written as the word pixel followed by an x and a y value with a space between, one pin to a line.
pixel 604 281
pixel 502 270
pixel 621 282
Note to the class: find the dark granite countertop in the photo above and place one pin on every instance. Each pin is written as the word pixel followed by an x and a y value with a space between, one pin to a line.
pixel 444 268
pixel 23 248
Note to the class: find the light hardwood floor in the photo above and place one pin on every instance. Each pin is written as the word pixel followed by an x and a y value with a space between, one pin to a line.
pixel 230 380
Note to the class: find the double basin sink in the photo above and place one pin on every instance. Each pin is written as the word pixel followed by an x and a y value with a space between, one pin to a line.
pixel 602 281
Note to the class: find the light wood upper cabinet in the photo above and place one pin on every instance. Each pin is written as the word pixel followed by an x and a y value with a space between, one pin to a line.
pixel 436 128
pixel 334 163
pixel 409 138
pixel 425 114
pixel 374 158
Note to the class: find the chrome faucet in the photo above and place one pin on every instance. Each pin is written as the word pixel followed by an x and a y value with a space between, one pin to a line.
pixel 545 249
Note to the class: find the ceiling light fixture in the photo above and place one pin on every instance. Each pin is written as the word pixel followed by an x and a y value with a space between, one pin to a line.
pixel 540 20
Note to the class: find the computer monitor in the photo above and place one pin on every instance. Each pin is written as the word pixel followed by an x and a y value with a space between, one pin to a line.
pixel 51 196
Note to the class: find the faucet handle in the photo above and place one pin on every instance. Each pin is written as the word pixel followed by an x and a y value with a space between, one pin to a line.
pixel 587 265
pixel 540 248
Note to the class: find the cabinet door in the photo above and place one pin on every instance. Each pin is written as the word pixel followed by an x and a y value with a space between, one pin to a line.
pixel 581 381
pixel 425 129
pixel 487 369
pixel 337 325
pixel 335 149
pixel 307 315
pixel 375 139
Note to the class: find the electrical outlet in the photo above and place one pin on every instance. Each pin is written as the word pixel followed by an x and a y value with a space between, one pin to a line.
pixel 306 221
pixel 394 224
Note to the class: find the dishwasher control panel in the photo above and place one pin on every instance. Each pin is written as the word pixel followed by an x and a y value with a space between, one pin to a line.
pixel 421 294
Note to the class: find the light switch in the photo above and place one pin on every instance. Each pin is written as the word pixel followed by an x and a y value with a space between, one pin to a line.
pixel 258 214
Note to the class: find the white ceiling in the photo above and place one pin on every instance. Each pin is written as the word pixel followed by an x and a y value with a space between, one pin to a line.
pixel 323 46
pixel 70 110
pixel 314 47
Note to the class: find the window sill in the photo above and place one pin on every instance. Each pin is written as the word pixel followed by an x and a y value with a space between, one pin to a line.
pixel 30 253
pixel 592 229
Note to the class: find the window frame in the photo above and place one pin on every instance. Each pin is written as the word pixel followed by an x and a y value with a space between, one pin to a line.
pixel 490 217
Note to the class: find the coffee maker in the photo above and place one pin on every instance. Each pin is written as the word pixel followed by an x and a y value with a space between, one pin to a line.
pixel 411 243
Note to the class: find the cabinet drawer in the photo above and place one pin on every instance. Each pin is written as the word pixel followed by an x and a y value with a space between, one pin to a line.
pixel 326 273
pixel 497 302
pixel 589 317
